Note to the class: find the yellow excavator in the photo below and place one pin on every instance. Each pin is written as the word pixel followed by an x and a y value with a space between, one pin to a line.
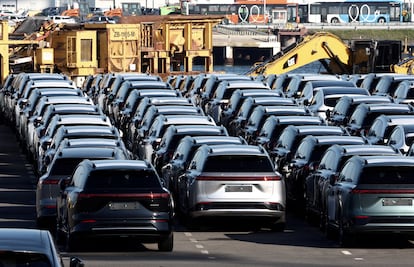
pixel 357 56
pixel 404 67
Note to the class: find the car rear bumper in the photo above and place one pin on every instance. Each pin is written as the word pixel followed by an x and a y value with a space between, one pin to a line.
pixel 395 228
pixel 265 210
pixel 145 230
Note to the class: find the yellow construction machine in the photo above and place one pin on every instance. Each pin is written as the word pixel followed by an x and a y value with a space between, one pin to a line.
pixel 406 66
pixel 356 56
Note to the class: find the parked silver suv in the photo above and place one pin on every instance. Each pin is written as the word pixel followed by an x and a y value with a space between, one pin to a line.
pixel 233 181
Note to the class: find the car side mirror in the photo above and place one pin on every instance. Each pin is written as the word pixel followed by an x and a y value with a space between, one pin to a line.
pixel 37 121
pixel 63 184
pixel 45 145
pixel 328 113
pixel 76 262
pixel 22 103
pixel 322 166
pixel 392 142
pixel 332 179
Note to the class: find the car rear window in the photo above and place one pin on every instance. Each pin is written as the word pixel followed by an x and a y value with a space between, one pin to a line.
pixel 122 179
pixel 64 166
pixel 388 175
pixel 236 163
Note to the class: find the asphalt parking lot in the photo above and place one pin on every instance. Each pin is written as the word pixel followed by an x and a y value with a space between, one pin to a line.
pixel 17 183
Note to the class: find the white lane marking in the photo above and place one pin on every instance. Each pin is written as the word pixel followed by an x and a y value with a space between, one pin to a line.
pixel 359 259
pixel 198 246
pixel 346 252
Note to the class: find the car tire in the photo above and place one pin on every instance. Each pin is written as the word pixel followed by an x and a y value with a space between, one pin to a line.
pixel 70 244
pixel 328 228
pixel 167 244
pixel 322 221
pixel 309 215
pixel 59 235
pixel 345 238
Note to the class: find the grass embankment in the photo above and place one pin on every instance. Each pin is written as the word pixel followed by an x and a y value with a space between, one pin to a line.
pixel 400 34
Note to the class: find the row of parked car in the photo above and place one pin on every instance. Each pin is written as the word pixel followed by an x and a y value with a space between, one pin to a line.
pixel 71 143
pixel 215 145
pixel 343 145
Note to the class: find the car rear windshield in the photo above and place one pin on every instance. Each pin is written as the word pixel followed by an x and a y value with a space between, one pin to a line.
pixel 10 258
pixel 122 179
pixel 64 166
pixel 231 163
pixel 388 175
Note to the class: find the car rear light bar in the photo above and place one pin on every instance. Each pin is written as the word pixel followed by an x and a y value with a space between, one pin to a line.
pixel 239 178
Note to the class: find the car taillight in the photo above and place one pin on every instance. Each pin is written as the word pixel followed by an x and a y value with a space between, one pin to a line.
pixel 361 217
pixel 88 221
pixel 122 195
pixel 239 178
pixel 48 181
pixel 360 220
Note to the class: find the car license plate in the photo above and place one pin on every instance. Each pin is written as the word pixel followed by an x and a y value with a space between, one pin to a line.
pixel 124 205
pixel 238 188
pixel 397 202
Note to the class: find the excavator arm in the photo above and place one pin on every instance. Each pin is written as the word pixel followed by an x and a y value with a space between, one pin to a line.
pixel 319 46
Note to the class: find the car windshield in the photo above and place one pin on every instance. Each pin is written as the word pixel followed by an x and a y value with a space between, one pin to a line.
pixel 237 163
pixel 122 179
pixel 388 175
pixel 23 259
